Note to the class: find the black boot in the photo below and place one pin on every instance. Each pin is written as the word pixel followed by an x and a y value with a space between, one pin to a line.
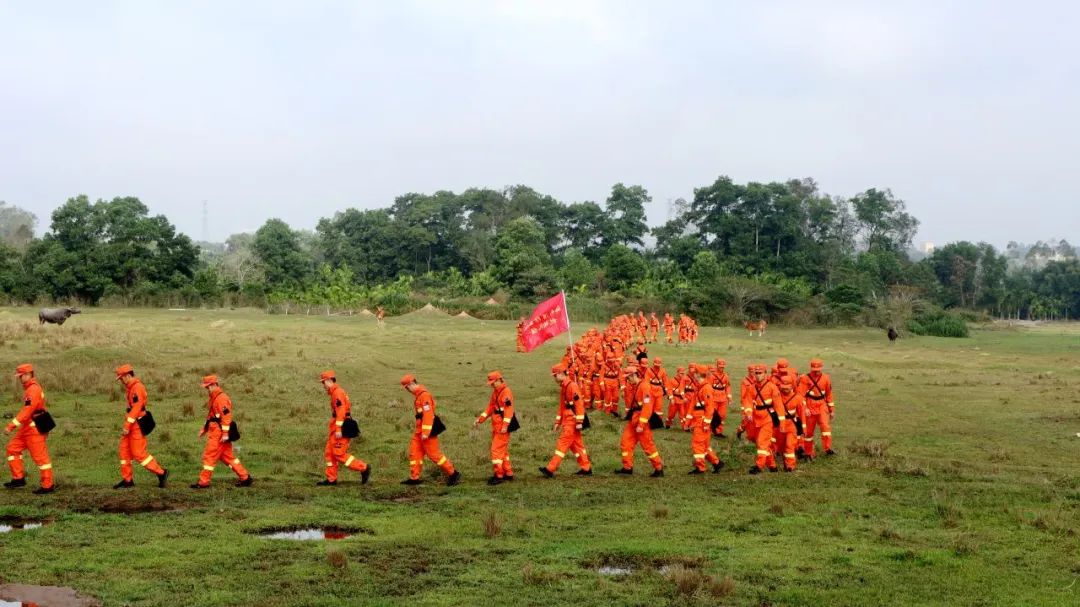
pixel 547 473
pixel 508 477
pixel 365 475
pixel 325 483
pixel 200 486
pixel 411 481
pixel 830 453
pixel 773 469
pixel 695 471
pixel 494 481
pixel 624 471
pixel 584 472
pixel 245 482
pixel 162 478
pixel 44 490
pixel 657 473
pixel 454 478
pixel 15 483
pixel 717 467
pixel 123 484
pixel 755 470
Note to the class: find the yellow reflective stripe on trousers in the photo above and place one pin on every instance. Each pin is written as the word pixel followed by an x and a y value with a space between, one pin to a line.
pixel 45 467
pixel 149 458
pixel 208 468
pixel 350 460
pixel 441 461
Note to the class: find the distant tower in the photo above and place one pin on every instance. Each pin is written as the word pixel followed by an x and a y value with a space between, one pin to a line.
pixel 205 223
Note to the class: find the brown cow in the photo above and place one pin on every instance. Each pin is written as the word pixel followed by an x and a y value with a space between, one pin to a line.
pixel 758 326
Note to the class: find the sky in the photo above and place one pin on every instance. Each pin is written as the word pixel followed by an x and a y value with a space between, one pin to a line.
pixel 968 111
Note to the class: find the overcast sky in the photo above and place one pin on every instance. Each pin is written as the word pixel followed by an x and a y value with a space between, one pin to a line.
pixel 969 111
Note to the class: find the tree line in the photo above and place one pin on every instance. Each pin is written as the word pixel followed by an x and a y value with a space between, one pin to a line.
pixel 780 250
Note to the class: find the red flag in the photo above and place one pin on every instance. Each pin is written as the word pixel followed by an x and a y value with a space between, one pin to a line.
pixel 547 320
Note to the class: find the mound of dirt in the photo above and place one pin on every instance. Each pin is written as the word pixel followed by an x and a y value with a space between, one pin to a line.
pixel 46 596
pixel 491 302
pixel 221 324
pixel 465 314
pixel 366 312
pixel 428 310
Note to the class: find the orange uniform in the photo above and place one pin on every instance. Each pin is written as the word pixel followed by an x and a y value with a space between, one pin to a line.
pixel 27 437
pixel 336 452
pixel 820 408
pixel 611 381
pixel 637 431
pixel 425 441
pixel 596 381
pixel 500 409
pixel 764 396
pixel 746 401
pixel 569 421
pixel 675 397
pixel 669 326
pixel 699 419
pixel 219 448
pixel 654 327
pixel 721 385
pixel 133 442
pixel 788 438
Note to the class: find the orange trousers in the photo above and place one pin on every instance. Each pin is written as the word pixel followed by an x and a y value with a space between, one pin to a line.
pixel 787 440
pixel 764 439
pixel 337 452
pixel 611 395
pixel 217 451
pixel 500 455
pixel 133 449
pixel 597 394
pixel 631 438
pixel 418 448
pixel 28 438
pixel 668 331
pixel 721 412
pixel 700 439
pixel 675 409
pixel 569 441
pixel 813 420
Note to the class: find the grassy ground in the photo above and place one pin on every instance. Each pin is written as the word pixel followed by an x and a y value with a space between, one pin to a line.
pixel 957 483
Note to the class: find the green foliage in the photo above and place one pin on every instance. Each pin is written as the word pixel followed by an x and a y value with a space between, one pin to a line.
pixel 936 322
pixel 623 267
pixel 284 262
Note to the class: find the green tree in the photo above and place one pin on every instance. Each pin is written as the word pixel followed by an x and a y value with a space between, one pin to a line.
pixel 625 223
pixel 623 267
pixel 284 261
pixel 883 220
pixel 521 257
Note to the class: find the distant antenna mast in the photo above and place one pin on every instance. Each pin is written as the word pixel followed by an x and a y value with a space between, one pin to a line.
pixel 205 223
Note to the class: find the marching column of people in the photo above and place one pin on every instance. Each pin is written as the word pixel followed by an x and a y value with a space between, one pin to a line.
pixel 781 411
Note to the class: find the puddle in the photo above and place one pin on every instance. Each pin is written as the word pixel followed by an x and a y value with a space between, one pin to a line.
pixel 8 524
pixel 24 595
pixel 614 571
pixel 316 534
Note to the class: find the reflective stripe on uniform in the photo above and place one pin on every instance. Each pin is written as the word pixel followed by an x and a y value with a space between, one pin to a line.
pixel 329 464
pixel 12 458
pixel 826 433
pixel 236 461
pixel 350 460
pixel 339 423
pixel 762 452
pixel 789 455
pixel 413 462
pixel 441 461
pixel 699 456
pixel 131 420
pixel 15 422
pixel 625 453
pixel 208 468
pixel 654 455
pixel 149 458
pixel 425 427
pixel 225 428
pixel 559 453
pixel 496 461
pixel 45 467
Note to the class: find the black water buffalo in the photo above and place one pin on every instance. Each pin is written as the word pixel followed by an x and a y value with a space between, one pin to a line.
pixel 56 316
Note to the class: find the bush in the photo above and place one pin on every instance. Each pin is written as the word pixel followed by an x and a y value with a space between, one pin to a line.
pixel 944 324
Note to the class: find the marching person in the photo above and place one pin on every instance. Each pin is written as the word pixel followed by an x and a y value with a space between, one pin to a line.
pixel 570 420
pixel 31 426
pixel 820 408
pixel 721 385
pixel 699 419
pixel 425 441
pixel 137 424
pixel 669 326
pixel 341 430
pixel 763 398
pixel 639 424
pixel 500 409
pixel 220 431
pixel 676 402
pixel 791 403
pixel 611 382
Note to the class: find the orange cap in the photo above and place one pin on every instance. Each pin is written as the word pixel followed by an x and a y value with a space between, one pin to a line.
pixel 407 379
pixel 209 380
pixel 656 361
pixel 494 376
pixel 720 362
pixel 24 368
pixel 817 364
pixel 751 367
pixel 787 381
pixel 782 363
pixel 761 368
pixel 123 370
pixel 328 374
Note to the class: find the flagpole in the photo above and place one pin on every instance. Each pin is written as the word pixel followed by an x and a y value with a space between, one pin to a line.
pixel 569 331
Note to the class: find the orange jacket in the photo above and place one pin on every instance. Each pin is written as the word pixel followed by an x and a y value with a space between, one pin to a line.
pixel 424 405
pixel 641 407
pixel 764 397
pixel 219 409
pixel 502 403
pixel 658 379
pixel 794 404
pixel 571 407
pixel 721 385
pixel 33 401
pixel 340 407
pixel 136 403
pixel 704 403
pixel 818 394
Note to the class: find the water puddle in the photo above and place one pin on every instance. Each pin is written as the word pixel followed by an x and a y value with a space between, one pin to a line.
pixel 8 525
pixel 614 571
pixel 309 534
pixel 24 595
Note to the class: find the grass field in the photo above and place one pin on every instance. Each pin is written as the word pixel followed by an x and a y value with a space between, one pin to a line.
pixel 957 480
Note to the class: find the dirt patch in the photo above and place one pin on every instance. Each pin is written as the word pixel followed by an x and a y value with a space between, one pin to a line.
pixel 46 596
pixel 617 564
pixel 119 505
pixel 16 523
pixel 312 533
